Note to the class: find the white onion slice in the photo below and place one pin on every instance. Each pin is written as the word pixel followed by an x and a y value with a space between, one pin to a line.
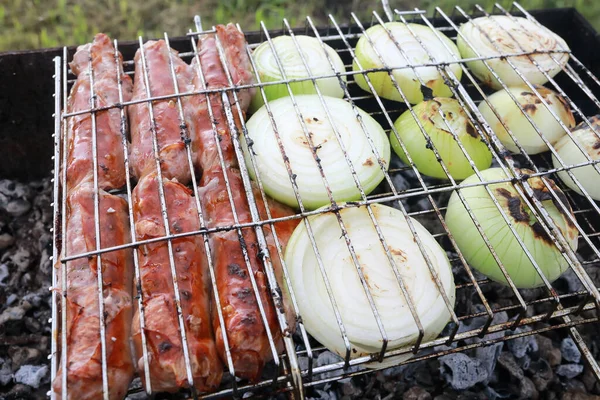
pixel 356 314
pixel 570 154
pixel 509 251
pixel 521 128
pixel 393 58
pixel 527 36
pixel 271 165
pixel 294 68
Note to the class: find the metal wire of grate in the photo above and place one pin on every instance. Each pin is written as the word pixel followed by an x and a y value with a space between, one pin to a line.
pixel 296 368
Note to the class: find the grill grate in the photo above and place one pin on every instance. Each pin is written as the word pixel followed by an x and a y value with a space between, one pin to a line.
pixel 294 369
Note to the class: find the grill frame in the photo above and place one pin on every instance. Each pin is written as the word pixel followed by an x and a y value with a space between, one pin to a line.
pixel 295 373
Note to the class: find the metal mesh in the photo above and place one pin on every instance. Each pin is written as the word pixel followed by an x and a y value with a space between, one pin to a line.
pixel 294 369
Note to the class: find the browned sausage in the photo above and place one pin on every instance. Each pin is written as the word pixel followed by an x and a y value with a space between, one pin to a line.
pixel 84 373
pixel 111 170
pixel 246 332
pixel 167 363
pixel 171 147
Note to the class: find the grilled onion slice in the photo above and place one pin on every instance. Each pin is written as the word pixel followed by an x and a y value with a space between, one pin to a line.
pixel 406 77
pixel 291 61
pixel 526 134
pixel 509 251
pixel 356 313
pixel 511 35
pixel 570 154
pixel 299 151
pixel 440 133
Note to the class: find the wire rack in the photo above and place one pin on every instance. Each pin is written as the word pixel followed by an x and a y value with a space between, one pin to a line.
pixel 296 369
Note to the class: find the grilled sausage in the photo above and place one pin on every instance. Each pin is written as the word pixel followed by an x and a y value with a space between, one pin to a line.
pixel 167 363
pixel 171 146
pixel 84 362
pixel 111 170
pixel 246 332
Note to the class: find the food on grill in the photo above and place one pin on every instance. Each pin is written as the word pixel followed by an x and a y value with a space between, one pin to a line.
pixel 166 352
pixel 245 328
pixel 380 48
pixel 314 138
pixel 512 114
pixel 497 36
pixel 106 71
pixel 570 154
pixel 317 59
pixel 237 61
pixel 170 144
pixel 539 244
pixel 355 311
pixel 441 131
pixel 84 350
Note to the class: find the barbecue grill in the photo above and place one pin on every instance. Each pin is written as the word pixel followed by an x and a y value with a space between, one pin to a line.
pixel 295 370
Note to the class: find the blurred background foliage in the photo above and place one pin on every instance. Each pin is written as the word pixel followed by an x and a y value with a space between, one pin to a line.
pixel 30 24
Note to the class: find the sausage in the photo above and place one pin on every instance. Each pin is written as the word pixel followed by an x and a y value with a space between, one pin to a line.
pixel 111 170
pixel 84 371
pixel 246 332
pixel 171 146
pixel 167 363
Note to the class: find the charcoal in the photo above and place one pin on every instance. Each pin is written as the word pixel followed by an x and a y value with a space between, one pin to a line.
pixel 23 355
pixel 6 375
pixel 462 371
pixel 488 356
pixel 416 393
pixel 467 395
pixel 575 385
pixel 32 375
pixel 569 350
pixel 323 395
pixel 522 345
pixel 541 374
pixel 18 392
pixel 18 207
pixel 11 299
pixel 569 371
pixel 13 314
pixel 527 389
pixel 326 358
pixel 548 351
pixel 507 362
pixel 3 273
pixel 590 382
pixel 570 280
pixel 350 389
pixel 577 395
pixel 497 394
pixel 6 240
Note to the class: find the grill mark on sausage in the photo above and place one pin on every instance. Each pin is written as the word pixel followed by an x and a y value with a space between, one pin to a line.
pixel 235 269
pixel 164 347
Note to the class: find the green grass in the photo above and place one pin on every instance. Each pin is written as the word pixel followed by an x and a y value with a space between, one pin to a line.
pixel 29 24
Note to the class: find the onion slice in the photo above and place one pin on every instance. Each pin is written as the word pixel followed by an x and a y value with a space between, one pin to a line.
pixel 393 58
pixel 272 166
pixel 294 68
pixel 511 35
pixel 570 154
pixel 356 313
pixel 509 251
pixel 525 133
pixel 440 133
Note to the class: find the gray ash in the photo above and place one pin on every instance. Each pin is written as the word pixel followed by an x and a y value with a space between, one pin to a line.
pixel 25 276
